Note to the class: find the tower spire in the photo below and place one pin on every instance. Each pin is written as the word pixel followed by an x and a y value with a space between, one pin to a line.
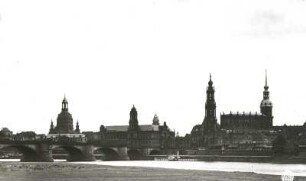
pixel 266 104
pixel 210 82
pixel 266 80
pixel 51 127
pixel 77 128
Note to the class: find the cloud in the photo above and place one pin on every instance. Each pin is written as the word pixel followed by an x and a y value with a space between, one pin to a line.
pixel 267 18
pixel 269 23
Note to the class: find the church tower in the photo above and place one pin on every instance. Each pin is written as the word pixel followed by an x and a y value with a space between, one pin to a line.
pixel 64 120
pixel 133 123
pixel 77 128
pixel 51 130
pixel 266 105
pixel 210 120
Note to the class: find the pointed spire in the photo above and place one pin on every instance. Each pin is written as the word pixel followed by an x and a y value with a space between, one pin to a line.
pixel 210 81
pixel 266 80
pixel 51 124
pixel 65 99
pixel 51 127
pixel 77 127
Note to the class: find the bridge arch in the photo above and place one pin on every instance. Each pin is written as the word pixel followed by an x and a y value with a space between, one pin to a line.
pixel 74 153
pixel 135 154
pixel 29 154
pixel 107 154
pixel 155 152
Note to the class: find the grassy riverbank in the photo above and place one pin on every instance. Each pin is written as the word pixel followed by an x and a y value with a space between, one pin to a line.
pixel 17 171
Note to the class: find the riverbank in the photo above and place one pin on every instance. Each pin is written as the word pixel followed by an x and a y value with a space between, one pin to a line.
pixel 17 171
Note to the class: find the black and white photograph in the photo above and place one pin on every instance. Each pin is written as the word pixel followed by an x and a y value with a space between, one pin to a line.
pixel 153 90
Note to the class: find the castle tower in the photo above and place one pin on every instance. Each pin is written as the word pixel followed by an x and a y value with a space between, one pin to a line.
pixel 64 120
pixel 266 105
pixel 210 120
pixel 133 123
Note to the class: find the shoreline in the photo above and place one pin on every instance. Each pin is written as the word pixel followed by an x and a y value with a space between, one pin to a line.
pixel 18 171
pixel 69 171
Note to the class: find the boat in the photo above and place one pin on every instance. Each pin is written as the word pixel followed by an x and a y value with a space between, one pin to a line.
pixel 174 157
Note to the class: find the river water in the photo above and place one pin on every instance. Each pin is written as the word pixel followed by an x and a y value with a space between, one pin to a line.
pixel 260 168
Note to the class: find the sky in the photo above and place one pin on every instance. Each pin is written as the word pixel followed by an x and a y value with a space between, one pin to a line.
pixel 106 56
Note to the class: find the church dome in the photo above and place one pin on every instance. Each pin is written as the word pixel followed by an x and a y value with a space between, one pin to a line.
pixel 64 115
pixel 266 102
pixel 64 120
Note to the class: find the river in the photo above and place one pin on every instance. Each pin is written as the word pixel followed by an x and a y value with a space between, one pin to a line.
pixel 260 168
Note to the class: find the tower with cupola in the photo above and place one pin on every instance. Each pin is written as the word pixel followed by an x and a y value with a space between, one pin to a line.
pixel 266 104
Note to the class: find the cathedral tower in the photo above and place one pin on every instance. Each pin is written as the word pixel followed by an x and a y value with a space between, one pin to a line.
pixel 210 120
pixel 266 105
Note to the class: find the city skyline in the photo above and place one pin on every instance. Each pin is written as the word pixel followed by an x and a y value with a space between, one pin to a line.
pixel 107 56
pixel 75 121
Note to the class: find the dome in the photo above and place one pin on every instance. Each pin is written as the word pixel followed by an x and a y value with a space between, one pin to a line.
pixel 64 115
pixel 266 102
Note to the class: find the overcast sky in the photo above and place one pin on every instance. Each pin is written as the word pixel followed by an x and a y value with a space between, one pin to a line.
pixel 157 54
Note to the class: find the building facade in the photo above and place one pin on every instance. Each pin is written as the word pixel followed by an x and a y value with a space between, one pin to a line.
pixel 136 136
pixel 237 133
pixel 251 121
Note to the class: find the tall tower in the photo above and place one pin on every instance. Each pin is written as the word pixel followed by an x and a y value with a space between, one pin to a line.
pixel 133 123
pixel 210 120
pixel 266 105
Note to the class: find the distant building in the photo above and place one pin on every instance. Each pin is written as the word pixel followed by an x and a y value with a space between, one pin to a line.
pixel 25 136
pixel 237 132
pixel 255 121
pixel 64 127
pixel 138 136
pixel 6 134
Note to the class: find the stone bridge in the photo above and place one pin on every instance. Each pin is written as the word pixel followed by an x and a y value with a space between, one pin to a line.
pixel 41 151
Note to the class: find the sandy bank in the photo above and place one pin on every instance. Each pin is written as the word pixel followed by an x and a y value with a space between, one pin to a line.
pixel 16 171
